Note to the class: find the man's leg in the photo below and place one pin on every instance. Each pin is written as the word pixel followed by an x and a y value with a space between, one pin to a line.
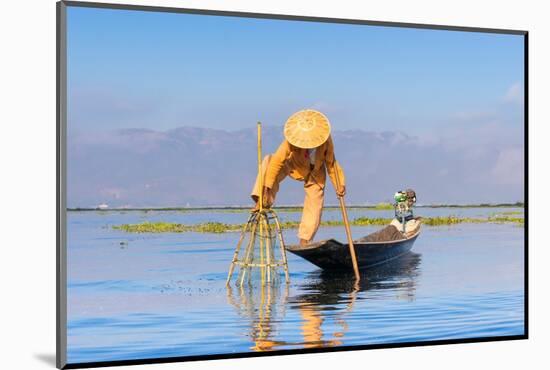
pixel 256 189
pixel 313 208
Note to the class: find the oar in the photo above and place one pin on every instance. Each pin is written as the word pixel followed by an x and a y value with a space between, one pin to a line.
pixel 346 224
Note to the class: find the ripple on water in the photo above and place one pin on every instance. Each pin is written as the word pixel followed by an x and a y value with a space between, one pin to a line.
pixel 165 295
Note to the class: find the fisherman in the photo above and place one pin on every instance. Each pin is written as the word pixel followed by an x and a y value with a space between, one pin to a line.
pixel 306 154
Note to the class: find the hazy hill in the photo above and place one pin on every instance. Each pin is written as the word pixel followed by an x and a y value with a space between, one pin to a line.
pixel 200 166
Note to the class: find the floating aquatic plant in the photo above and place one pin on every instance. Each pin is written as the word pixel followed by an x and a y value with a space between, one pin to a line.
pixel 218 227
pixel 383 206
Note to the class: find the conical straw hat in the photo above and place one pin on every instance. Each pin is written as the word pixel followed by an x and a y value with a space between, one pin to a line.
pixel 307 129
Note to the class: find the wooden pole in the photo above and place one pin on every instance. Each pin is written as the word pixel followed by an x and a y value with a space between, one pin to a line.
pixel 346 224
pixel 261 200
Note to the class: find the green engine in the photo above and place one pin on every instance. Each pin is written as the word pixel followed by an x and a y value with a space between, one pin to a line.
pixel 404 202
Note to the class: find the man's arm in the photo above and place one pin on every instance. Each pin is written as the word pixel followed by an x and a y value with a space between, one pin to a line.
pixel 276 163
pixel 334 169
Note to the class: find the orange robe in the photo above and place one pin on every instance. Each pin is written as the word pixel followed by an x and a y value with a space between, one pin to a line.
pixel 291 161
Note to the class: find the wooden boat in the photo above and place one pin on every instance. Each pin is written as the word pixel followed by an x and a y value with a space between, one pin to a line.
pixel 332 255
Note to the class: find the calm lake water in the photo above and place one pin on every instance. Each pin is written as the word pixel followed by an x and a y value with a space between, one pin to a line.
pixel 138 296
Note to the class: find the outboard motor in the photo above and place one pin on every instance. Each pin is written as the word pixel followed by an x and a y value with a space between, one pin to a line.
pixel 404 202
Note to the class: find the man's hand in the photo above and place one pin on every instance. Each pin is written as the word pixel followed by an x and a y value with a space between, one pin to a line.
pixel 268 197
pixel 341 191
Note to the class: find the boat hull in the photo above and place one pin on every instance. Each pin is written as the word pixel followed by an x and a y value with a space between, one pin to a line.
pixel 333 255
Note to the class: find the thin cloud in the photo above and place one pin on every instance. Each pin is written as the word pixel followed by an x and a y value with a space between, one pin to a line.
pixel 508 169
pixel 514 94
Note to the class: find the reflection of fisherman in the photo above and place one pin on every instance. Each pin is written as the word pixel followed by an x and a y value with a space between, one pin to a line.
pixel 306 154
pixel 312 327
pixel 333 296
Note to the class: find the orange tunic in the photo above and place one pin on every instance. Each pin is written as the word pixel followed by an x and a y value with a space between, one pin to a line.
pixel 299 165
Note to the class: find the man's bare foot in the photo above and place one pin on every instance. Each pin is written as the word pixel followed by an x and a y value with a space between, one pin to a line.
pixel 303 242
pixel 256 207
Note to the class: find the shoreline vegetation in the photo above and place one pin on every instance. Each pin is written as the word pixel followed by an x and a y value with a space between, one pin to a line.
pixel 292 208
pixel 218 227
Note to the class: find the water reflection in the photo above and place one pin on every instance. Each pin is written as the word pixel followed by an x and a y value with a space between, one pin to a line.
pixel 325 288
pixel 334 295
pixel 328 299
pixel 264 306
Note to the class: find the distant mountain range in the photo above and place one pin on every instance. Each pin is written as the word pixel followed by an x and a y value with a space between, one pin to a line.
pixel 190 166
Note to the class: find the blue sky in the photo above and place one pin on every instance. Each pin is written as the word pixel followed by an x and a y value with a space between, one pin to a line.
pixel 451 104
pixel 162 70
